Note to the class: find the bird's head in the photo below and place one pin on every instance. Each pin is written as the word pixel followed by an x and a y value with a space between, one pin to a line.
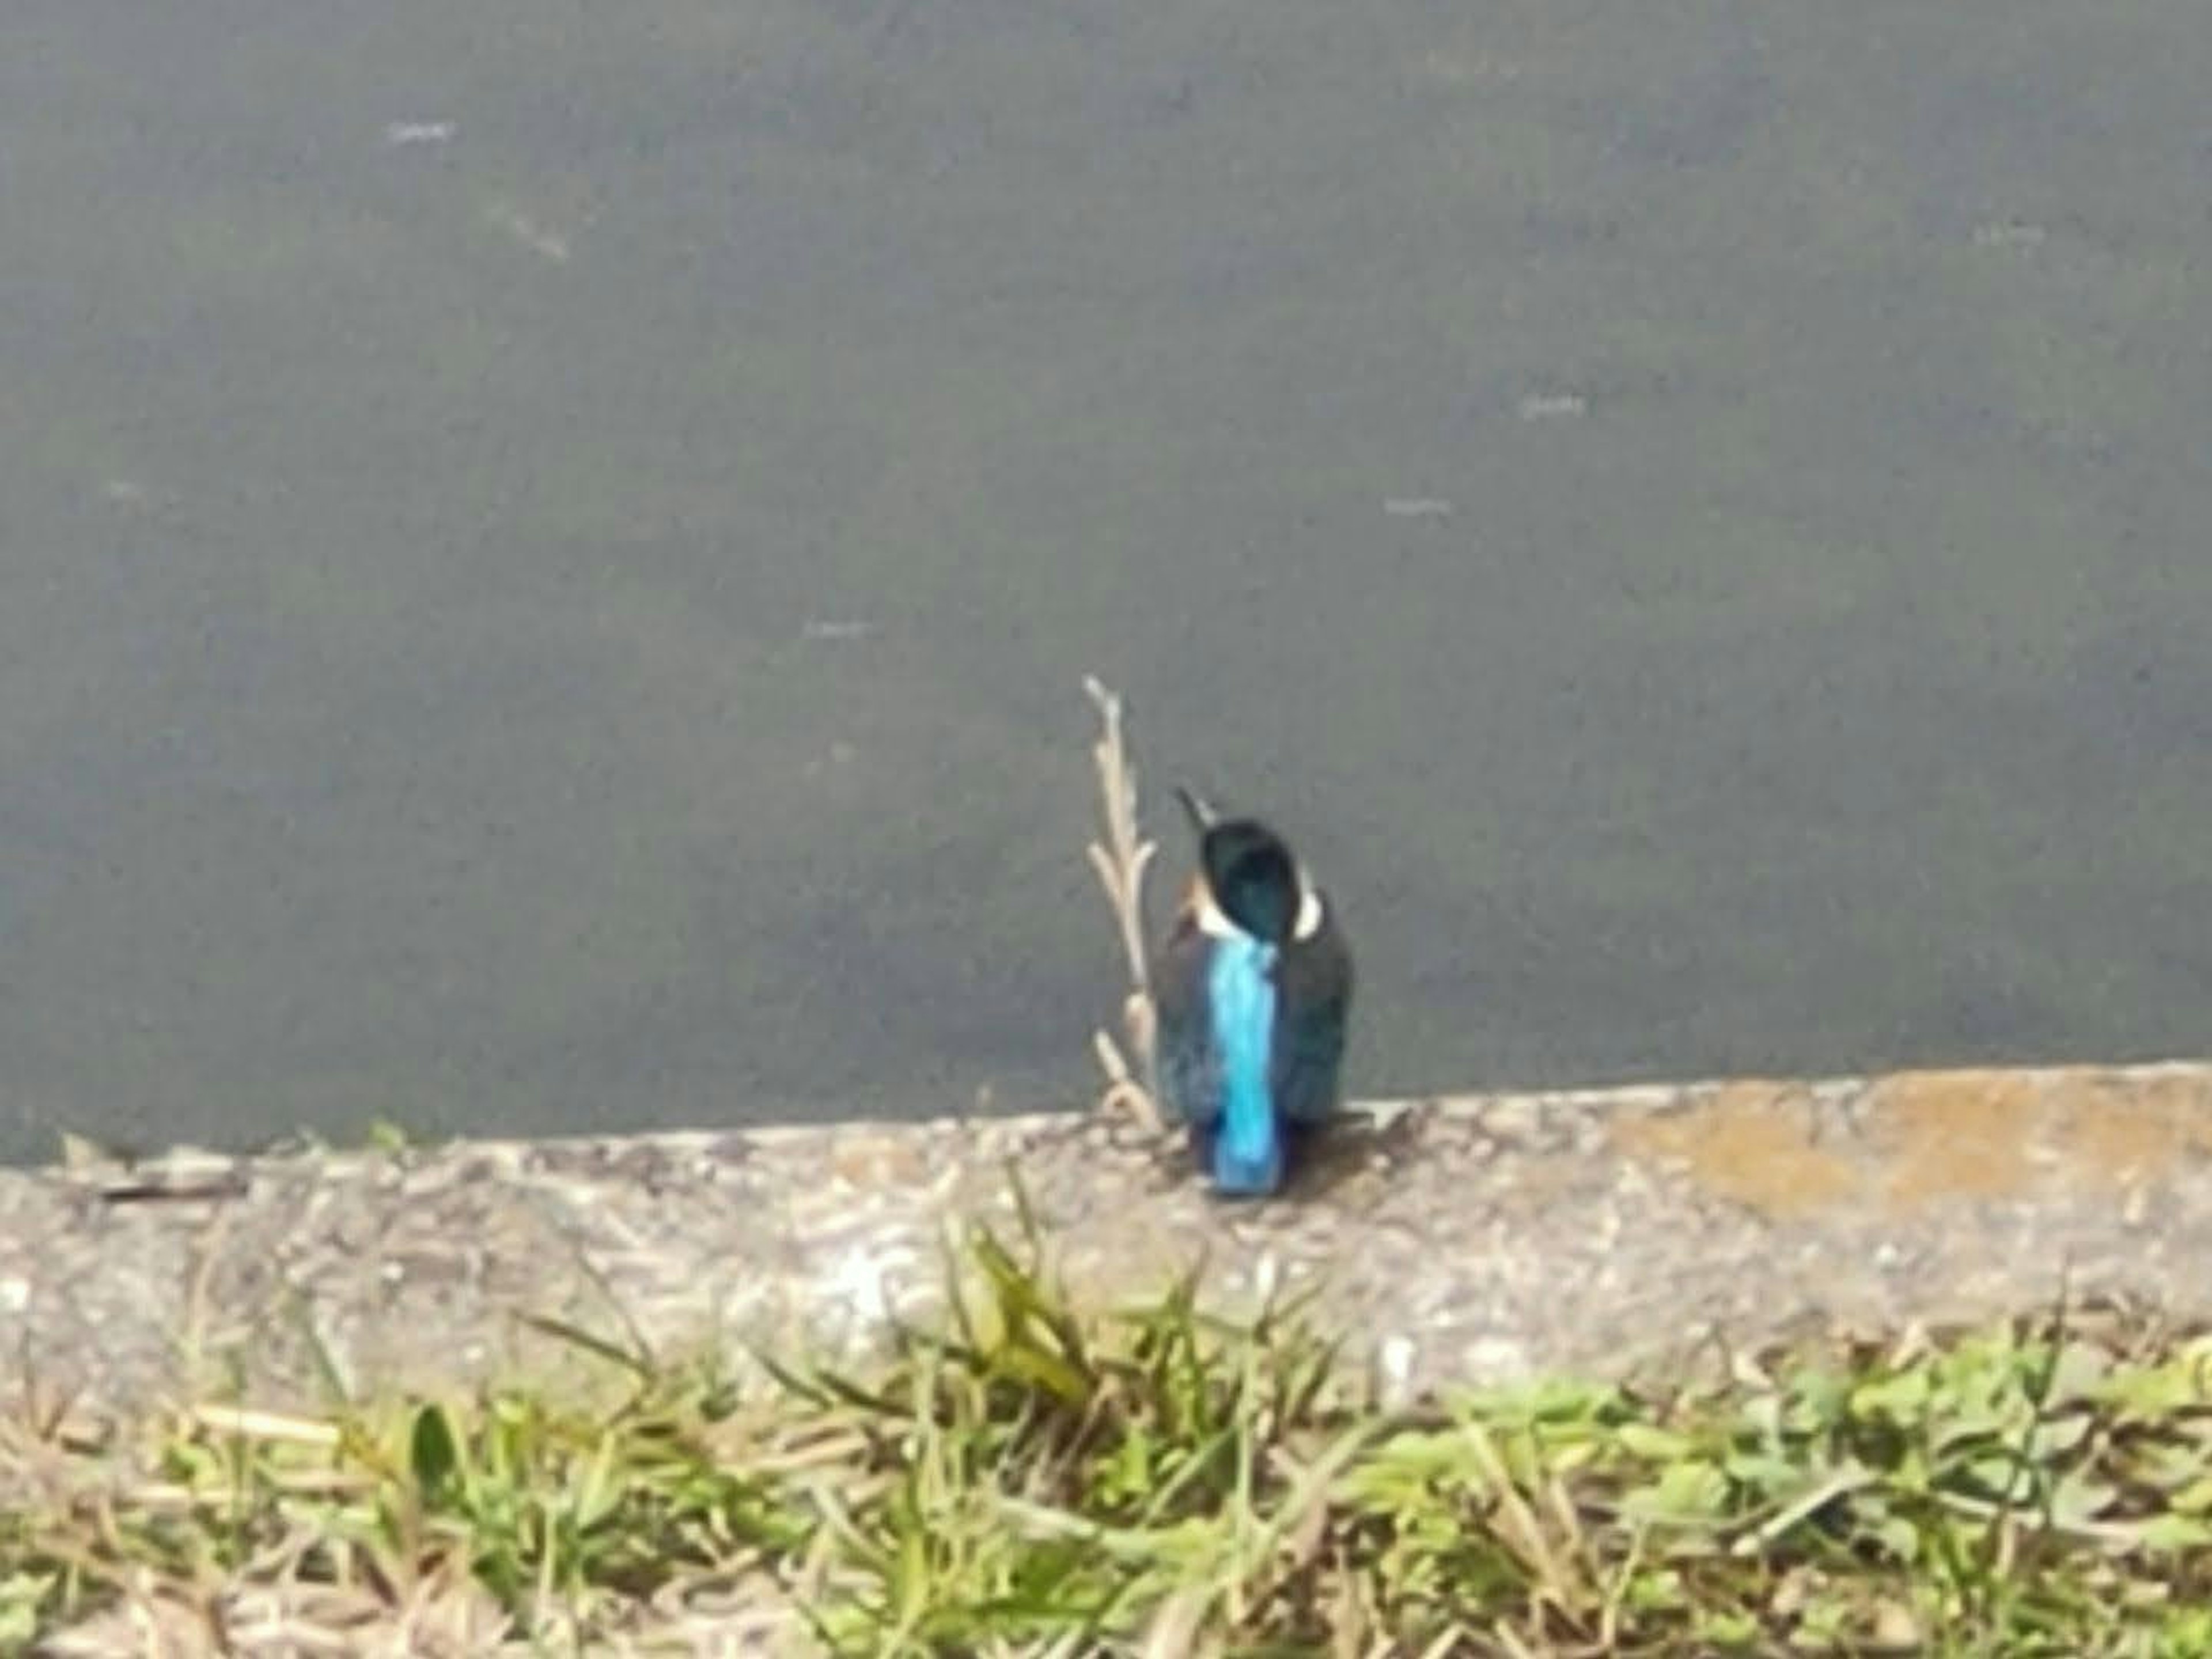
pixel 1247 879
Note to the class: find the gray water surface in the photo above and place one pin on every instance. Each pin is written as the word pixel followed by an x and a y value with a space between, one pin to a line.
pixel 547 551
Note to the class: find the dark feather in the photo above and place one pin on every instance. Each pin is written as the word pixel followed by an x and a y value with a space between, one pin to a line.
pixel 1190 1073
pixel 1314 983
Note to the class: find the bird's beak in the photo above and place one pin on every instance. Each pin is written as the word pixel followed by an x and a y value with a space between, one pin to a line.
pixel 1202 814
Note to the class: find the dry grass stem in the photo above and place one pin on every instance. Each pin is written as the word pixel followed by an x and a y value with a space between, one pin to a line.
pixel 1120 862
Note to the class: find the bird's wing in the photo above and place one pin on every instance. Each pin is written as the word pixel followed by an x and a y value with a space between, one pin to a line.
pixel 1184 1022
pixel 1314 980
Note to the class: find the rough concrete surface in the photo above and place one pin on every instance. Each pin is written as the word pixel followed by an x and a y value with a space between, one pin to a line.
pixel 1493 1236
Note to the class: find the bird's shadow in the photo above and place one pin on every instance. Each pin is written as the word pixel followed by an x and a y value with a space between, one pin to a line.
pixel 1336 1152
pixel 1323 1158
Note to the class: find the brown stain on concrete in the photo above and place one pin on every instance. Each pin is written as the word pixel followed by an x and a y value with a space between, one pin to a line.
pixel 1751 1142
pixel 1914 1139
pixel 2139 1131
pixel 1953 1134
pixel 875 1160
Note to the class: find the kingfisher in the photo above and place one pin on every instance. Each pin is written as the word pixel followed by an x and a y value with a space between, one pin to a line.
pixel 1254 993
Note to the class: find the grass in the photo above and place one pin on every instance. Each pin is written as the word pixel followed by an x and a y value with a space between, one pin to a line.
pixel 1028 1476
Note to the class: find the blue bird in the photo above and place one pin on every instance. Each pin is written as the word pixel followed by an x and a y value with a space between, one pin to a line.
pixel 1254 993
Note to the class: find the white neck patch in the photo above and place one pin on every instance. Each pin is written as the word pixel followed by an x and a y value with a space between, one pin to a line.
pixel 1212 920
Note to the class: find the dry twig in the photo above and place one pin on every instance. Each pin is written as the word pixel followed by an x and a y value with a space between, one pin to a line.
pixel 1120 862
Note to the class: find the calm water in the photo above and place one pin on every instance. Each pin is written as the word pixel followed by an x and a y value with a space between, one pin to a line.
pixel 547 551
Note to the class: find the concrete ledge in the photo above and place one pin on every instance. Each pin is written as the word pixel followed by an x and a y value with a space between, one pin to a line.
pixel 1474 1238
